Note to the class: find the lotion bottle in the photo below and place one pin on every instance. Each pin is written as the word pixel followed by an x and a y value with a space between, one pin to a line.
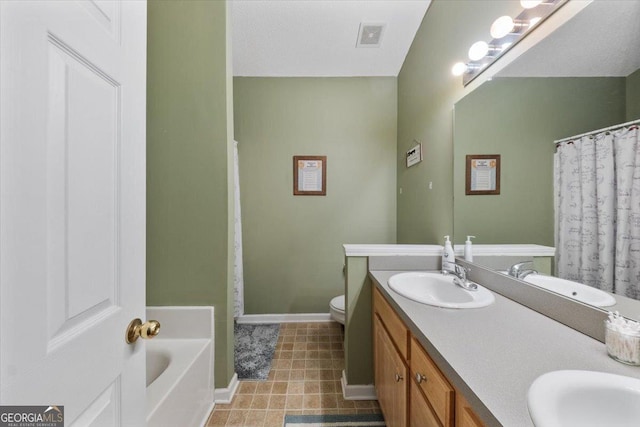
pixel 448 257
pixel 468 254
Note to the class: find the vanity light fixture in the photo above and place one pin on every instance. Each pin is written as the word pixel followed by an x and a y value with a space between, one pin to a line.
pixel 503 26
pixel 506 32
pixel 458 68
pixel 478 50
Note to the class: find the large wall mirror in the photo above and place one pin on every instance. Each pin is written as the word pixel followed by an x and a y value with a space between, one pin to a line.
pixel 583 77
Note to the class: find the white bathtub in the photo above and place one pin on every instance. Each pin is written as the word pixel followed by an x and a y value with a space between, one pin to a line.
pixel 180 370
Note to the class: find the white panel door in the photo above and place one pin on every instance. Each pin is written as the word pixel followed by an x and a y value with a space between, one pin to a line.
pixel 72 207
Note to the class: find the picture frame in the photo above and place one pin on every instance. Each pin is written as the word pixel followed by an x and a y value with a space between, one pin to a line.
pixel 414 154
pixel 309 175
pixel 482 174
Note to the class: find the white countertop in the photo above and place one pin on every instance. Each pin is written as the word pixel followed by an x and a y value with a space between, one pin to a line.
pixel 422 250
pixel 493 354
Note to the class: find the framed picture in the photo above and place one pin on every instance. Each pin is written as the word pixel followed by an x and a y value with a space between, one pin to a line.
pixel 309 175
pixel 482 174
pixel 414 154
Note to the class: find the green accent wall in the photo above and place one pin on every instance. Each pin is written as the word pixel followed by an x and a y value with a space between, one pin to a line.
pixel 633 96
pixel 189 96
pixel 426 94
pixel 519 118
pixel 293 255
pixel 358 341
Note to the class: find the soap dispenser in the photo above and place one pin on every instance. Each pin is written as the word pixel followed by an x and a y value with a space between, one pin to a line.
pixel 448 257
pixel 468 254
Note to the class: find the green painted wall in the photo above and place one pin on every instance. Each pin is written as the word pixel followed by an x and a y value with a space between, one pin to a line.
pixel 519 118
pixel 358 341
pixel 633 96
pixel 188 93
pixel 426 94
pixel 293 255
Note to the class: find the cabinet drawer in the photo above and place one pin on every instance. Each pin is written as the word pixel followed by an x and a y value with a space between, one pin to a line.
pixel 433 384
pixel 465 417
pixel 394 325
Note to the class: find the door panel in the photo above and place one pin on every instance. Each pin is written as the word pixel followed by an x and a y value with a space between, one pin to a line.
pixel 82 191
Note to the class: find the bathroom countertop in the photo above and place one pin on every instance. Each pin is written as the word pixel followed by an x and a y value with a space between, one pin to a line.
pixel 493 354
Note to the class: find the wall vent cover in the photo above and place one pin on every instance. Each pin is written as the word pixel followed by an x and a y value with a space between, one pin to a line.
pixel 370 35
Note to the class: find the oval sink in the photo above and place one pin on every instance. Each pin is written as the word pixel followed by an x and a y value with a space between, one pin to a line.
pixel 577 291
pixel 584 398
pixel 438 290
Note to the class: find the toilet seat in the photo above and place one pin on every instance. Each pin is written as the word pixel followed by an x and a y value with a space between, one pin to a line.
pixel 336 309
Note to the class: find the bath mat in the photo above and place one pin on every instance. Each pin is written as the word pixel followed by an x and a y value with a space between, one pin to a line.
pixel 360 420
pixel 254 348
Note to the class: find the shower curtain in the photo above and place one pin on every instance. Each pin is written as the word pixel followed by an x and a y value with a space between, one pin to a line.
pixel 238 275
pixel 597 211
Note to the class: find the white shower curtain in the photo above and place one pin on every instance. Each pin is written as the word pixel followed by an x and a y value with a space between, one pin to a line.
pixel 238 275
pixel 597 211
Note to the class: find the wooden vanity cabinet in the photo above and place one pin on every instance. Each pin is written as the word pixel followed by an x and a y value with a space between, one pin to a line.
pixel 411 389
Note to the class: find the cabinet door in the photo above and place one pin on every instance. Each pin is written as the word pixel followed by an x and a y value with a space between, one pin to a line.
pixel 390 378
pixel 420 414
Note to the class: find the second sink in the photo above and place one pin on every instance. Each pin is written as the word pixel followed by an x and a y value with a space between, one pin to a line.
pixel 438 290
pixel 584 398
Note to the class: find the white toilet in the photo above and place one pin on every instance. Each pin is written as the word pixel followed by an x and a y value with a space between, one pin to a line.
pixel 336 309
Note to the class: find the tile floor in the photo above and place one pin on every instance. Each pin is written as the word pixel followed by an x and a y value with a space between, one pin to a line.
pixel 304 379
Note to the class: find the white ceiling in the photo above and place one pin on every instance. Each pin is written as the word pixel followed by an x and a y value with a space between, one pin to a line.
pixel 317 38
pixel 602 40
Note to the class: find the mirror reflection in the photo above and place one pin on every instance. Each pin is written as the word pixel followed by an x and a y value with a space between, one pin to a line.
pixel 582 78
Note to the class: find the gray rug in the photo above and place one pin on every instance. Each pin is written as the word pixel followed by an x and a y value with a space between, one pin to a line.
pixel 254 348
pixel 360 420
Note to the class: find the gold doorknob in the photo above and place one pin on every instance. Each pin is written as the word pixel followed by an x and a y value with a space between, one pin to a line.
pixel 146 330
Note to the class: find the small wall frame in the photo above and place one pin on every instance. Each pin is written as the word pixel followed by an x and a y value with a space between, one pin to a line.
pixel 482 174
pixel 309 175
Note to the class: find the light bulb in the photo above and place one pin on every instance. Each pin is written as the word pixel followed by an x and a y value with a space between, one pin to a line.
pixel 458 68
pixel 478 50
pixel 501 27
pixel 530 4
pixel 534 21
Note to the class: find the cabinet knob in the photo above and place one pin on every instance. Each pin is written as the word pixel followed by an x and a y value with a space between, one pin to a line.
pixel 399 378
pixel 420 377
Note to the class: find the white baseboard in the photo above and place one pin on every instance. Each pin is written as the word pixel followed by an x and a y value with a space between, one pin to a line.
pixel 225 395
pixel 357 392
pixel 203 423
pixel 284 318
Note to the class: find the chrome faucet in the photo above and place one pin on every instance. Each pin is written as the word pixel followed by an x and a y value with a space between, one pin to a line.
pixel 516 270
pixel 461 277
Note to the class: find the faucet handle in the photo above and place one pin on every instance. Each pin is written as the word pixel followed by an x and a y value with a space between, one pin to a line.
pixel 460 269
pixel 514 270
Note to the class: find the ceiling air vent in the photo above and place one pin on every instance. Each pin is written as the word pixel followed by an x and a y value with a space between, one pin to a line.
pixel 370 35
